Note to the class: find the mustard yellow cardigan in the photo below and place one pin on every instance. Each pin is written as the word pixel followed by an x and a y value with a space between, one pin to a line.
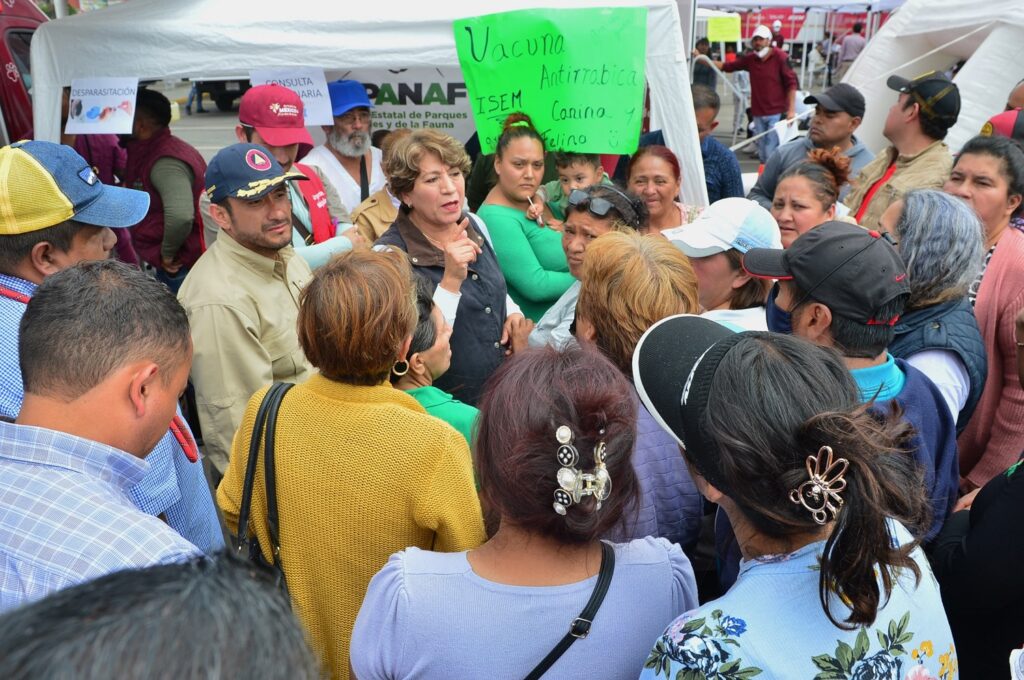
pixel 362 472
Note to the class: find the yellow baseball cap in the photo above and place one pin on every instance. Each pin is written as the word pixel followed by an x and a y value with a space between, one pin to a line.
pixel 43 184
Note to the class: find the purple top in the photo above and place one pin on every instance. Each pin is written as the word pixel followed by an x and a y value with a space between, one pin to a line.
pixel 670 505
pixel 107 158
pixel 104 153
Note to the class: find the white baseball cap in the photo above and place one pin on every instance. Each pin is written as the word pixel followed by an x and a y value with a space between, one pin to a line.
pixel 731 223
pixel 777 25
pixel 762 31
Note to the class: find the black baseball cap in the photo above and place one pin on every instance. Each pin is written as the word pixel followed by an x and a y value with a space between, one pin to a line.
pixel 853 271
pixel 673 366
pixel 244 171
pixel 842 97
pixel 938 96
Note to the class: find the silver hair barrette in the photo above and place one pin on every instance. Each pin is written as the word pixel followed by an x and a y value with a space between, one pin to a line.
pixel 820 493
pixel 573 483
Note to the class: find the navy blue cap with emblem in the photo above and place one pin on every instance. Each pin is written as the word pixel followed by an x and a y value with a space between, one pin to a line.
pixel 245 171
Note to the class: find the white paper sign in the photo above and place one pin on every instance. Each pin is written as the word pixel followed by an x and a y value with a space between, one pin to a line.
pixel 308 82
pixel 416 98
pixel 787 130
pixel 101 106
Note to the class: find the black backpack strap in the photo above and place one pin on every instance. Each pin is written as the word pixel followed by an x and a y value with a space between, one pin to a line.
pixel 580 626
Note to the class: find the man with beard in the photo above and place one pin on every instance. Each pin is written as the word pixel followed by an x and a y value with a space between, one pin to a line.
pixel 347 159
pixel 837 115
pixel 272 116
pixel 242 296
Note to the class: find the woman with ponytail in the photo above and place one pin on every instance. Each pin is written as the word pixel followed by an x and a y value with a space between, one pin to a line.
pixel 808 193
pixel 530 255
pixel 827 510
pixel 807 196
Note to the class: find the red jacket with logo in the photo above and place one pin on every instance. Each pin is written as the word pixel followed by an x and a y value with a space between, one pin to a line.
pixel 312 190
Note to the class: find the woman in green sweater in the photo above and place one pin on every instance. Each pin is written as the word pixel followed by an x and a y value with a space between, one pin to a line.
pixel 428 358
pixel 530 256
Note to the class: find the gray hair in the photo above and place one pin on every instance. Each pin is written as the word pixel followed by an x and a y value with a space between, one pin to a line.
pixel 941 241
pixel 208 618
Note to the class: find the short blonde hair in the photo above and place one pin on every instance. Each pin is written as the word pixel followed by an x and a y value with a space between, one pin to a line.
pixel 402 166
pixel 356 313
pixel 630 282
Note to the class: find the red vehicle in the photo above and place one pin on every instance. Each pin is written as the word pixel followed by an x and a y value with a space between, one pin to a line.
pixel 18 22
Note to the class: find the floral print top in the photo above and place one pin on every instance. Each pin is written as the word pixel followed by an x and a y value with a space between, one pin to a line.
pixel 771 625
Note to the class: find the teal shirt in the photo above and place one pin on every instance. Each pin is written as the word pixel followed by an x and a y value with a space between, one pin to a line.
pixel 530 257
pixel 444 406
pixel 315 254
pixel 886 380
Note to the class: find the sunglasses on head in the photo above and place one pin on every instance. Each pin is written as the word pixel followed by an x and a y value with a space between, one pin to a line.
pixel 602 206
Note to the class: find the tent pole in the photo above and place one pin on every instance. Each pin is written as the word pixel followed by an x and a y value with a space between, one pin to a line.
pixel 803 69
pixel 60 8
pixel 830 25
pixel 931 52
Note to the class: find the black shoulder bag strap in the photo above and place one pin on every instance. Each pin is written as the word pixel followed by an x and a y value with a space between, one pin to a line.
pixel 580 626
pixel 263 431
pixel 270 481
pixel 364 180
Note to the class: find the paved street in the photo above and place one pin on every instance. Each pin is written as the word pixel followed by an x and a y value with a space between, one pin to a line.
pixel 208 132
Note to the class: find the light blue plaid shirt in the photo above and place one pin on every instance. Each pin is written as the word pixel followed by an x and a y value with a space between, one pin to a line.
pixel 65 514
pixel 172 486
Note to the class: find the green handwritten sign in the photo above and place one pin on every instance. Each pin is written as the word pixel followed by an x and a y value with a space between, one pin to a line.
pixel 724 28
pixel 578 73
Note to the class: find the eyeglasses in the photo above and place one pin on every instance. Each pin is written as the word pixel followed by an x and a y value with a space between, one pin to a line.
pixel 602 206
pixel 356 115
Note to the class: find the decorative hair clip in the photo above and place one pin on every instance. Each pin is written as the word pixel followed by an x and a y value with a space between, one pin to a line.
pixel 574 484
pixel 820 493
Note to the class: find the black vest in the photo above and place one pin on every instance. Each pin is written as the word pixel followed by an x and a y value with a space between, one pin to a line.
pixel 948 326
pixel 476 335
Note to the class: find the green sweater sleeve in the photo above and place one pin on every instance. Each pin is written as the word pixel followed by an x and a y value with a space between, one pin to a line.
pixel 173 180
pixel 531 257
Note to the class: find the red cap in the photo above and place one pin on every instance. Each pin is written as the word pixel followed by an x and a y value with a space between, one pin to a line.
pixel 277 114
pixel 1007 124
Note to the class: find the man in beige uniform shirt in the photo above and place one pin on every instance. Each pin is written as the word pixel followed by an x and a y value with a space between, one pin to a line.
pixel 242 296
pixel 917 158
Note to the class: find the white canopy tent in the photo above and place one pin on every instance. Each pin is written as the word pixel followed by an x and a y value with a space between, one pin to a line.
pixel 156 39
pixel 933 35
pixel 835 5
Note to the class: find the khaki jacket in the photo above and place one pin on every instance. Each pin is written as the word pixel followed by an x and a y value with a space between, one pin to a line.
pixel 242 308
pixel 375 215
pixel 928 169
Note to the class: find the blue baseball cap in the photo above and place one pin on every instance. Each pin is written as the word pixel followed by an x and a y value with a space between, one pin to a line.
pixel 347 95
pixel 45 184
pixel 244 171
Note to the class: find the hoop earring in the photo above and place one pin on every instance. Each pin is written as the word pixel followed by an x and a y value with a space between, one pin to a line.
pixel 405 368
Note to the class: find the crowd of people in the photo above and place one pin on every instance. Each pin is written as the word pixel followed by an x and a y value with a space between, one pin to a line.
pixel 521 415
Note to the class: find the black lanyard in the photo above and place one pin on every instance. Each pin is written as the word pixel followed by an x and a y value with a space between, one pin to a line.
pixel 364 181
